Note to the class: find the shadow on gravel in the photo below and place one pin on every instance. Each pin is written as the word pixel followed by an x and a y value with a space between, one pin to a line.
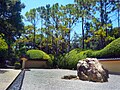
pixel 27 70
pixel 113 73
pixel 17 83
pixel 3 71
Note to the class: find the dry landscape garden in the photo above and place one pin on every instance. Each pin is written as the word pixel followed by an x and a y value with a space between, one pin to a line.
pixel 59 46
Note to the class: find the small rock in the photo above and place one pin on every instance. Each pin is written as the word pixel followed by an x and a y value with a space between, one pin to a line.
pixel 69 77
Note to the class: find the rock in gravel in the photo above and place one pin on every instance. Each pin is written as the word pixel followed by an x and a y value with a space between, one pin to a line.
pixel 69 77
pixel 90 69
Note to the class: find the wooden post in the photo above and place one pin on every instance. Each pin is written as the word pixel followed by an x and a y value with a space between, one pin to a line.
pixel 23 62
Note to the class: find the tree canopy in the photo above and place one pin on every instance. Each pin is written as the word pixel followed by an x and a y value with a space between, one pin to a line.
pixel 10 17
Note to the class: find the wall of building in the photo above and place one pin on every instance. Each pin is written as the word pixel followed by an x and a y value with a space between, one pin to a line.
pixel 111 65
pixel 35 64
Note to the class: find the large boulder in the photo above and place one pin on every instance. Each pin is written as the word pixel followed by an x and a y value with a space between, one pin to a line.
pixel 90 69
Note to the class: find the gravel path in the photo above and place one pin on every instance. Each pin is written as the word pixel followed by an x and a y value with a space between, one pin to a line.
pixel 7 76
pixel 50 79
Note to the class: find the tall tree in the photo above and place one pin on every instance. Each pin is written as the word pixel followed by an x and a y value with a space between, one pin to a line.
pixel 105 7
pixel 10 19
pixel 84 7
pixel 32 17
pixel 70 19
pixel 44 13
pixel 41 11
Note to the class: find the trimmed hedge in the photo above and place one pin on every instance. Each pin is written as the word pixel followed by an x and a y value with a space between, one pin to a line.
pixel 38 55
pixel 112 50
pixel 71 59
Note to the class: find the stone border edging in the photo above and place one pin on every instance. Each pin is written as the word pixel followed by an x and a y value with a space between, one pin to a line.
pixel 17 82
pixel 109 59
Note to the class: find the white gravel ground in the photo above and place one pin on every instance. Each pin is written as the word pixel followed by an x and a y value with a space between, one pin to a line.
pixel 7 76
pixel 50 79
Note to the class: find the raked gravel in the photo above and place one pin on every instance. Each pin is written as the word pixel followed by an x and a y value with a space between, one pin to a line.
pixel 50 79
pixel 7 76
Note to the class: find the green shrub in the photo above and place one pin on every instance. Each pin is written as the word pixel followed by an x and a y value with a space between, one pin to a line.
pixel 71 63
pixel 38 54
pixel 112 50
pixel 51 56
pixel 85 54
pixel 70 59
pixel 3 48
pixel 60 61
pixel 17 65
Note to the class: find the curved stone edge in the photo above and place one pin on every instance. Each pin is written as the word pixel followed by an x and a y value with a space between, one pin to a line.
pixel 16 84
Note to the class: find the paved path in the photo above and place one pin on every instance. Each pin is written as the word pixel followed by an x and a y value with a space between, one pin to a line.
pixel 50 79
pixel 7 76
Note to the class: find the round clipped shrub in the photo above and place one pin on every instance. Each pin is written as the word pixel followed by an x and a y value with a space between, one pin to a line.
pixel 112 50
pixel 39 55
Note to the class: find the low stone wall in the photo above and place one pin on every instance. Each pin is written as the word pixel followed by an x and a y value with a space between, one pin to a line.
pixel 36 64
pixel 113 65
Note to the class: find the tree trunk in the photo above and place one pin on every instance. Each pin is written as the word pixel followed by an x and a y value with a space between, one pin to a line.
pixel 69 41
pixel 82 33
pixel 34 36
pixel 119 17
pixel 106 18
pixel 101 13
